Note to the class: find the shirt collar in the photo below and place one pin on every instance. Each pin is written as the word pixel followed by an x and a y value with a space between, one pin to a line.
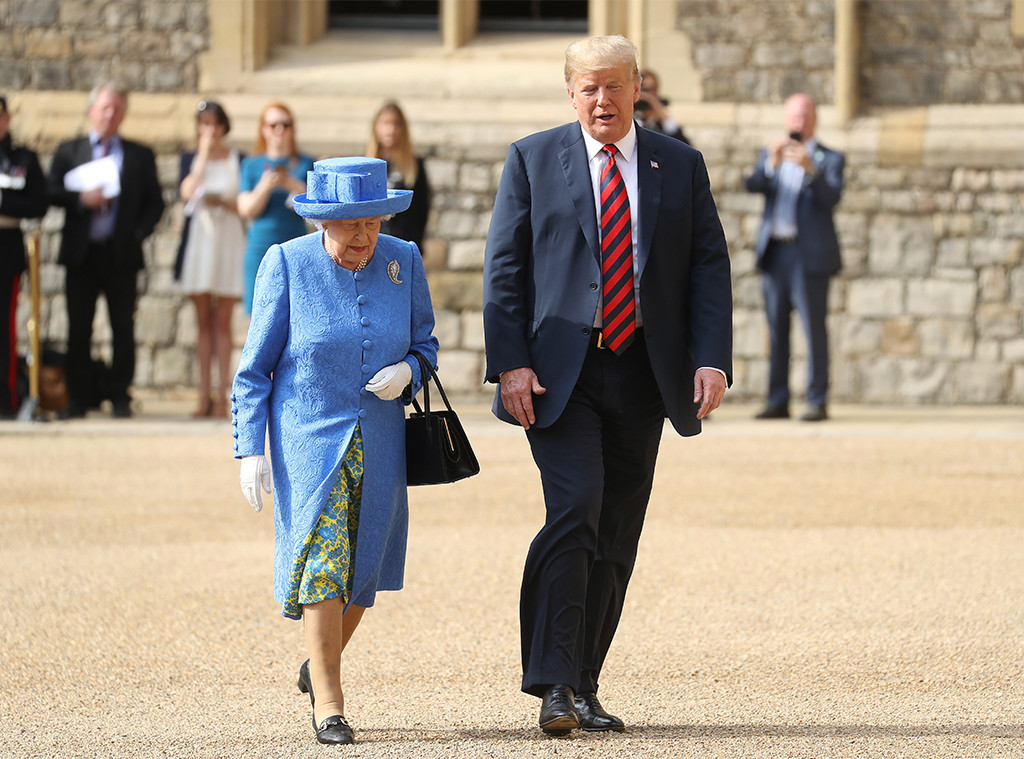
pixel 94 139
pixel 626 146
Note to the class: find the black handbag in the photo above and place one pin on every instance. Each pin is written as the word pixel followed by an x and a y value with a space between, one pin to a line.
pixel 436 447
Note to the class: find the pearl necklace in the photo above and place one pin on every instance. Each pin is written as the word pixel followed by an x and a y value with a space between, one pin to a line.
pixel 359 267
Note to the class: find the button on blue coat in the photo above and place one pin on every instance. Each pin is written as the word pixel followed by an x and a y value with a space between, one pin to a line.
pixel 318 334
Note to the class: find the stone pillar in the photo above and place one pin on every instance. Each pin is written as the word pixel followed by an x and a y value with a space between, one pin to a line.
pixel 459 22
pixel 613 16
pixel 846 52
pixel 307 21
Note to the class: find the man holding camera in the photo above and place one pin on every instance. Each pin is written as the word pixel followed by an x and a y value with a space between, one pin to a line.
pixel 651 110
pixel 798 251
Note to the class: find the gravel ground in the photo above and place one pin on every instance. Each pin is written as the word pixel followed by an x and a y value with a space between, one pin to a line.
pixel 848 589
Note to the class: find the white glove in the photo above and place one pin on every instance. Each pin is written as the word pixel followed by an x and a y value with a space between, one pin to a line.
pixel 255 473
pixel 389 382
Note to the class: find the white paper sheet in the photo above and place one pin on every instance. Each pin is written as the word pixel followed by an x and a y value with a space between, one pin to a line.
pixel 101 173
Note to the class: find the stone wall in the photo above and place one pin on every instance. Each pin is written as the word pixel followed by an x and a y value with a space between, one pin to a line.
pixel 957 51
pixel 911 52
pixel 149 45
pixel 761 52
pixel 928 309
pixel 930 305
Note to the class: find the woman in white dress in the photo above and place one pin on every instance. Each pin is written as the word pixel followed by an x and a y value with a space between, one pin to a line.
pixel 213 250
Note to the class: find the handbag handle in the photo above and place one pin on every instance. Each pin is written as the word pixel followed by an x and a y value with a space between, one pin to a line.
pixel 427 373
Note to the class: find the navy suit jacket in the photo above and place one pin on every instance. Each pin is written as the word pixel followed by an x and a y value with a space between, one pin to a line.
pixel 542 270
pixel 139 206
pixel 816 233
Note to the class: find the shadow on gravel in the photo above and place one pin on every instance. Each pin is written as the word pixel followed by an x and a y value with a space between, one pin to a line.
pixel 675 732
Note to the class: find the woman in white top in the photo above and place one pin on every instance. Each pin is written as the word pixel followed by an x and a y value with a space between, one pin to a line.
pixel 212 251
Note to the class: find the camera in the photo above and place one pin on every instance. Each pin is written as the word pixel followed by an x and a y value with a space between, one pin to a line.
pixel 796 136
pixel 641 106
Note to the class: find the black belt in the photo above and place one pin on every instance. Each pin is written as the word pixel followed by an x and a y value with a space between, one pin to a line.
pixel 597 339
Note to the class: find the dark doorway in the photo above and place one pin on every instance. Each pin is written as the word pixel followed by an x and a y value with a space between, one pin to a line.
pixel 534 15
pixel 384 14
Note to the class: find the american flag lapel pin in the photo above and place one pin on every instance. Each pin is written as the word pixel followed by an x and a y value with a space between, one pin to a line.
pixel 654 164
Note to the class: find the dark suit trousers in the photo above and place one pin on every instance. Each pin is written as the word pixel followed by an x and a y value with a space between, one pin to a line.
pixel 597 467
pixel 9 285
pixel 118 286
pixel 787 285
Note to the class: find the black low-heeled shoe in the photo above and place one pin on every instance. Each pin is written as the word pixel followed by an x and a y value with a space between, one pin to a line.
pixel 334 729
pixel 305 684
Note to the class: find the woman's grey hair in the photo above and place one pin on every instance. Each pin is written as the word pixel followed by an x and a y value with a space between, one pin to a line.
pixel 110 86
pixel 597 53
pixel 319 225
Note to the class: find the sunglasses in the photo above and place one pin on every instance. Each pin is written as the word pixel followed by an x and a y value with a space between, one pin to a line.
pixel 278 125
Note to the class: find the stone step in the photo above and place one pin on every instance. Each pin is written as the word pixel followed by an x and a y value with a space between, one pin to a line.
pixel 495 90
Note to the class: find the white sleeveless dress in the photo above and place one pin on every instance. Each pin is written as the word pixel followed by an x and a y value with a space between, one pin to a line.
pixel 215 249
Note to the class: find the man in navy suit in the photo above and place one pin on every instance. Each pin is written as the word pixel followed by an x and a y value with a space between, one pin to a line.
pixel 101 247
pixel 798 251
pixel 607 307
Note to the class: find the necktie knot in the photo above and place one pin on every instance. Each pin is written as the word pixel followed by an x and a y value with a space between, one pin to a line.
pixel 611 151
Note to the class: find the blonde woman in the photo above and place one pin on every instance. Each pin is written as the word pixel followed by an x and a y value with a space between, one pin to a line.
pixel 389 140
pixel 275 173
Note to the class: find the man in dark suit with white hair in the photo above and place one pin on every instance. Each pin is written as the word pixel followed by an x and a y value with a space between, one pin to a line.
pixel 101 246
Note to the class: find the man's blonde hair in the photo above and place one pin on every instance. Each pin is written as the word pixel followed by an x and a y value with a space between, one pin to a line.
pixel 598 53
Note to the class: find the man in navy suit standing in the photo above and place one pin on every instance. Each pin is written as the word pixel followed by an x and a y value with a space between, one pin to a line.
pixel 607 307
pixel 101 246
pixel 798 251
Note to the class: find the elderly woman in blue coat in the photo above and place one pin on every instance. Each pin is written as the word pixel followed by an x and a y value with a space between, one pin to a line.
pixel 336 315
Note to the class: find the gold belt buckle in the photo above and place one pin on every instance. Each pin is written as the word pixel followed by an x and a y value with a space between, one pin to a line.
pixel 600 340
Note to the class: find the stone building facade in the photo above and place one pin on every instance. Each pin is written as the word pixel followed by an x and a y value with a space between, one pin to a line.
pixel 928 309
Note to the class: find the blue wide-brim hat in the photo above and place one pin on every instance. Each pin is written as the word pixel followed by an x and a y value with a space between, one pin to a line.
pixel 349 188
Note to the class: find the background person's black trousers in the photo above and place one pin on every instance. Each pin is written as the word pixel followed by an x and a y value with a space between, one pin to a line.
pixel 597 468
pixel 83 286
pixel 9 284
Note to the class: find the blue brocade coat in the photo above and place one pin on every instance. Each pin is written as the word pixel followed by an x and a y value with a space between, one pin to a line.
pixel 318 334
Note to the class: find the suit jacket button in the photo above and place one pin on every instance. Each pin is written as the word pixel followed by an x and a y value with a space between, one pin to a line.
pixel 593 285
pixel 586 330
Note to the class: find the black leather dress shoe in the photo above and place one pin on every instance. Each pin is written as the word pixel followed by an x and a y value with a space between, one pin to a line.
pixel 333 730
pixel 774 412
pixel 815 414
pixel 558 714
pixel 593 717
pixel 122 408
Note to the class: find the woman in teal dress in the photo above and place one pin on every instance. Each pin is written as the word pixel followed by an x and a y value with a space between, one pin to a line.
pixel 271 177
pixel 335 317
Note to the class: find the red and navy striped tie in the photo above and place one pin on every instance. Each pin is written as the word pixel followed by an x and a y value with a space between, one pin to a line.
pixel 619 311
